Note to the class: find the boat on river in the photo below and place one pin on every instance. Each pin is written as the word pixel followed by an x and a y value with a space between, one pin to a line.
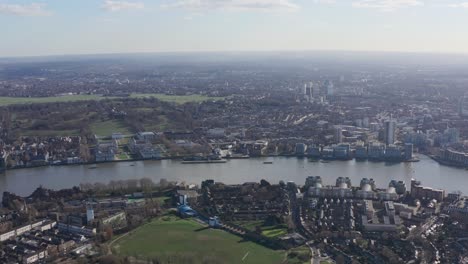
pixel 202 159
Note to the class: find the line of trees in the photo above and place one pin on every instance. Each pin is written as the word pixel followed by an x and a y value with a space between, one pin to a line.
pixel 145 185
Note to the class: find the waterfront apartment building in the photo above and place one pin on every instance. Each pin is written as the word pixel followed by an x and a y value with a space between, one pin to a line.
pixel 301 149
pixel 421 192
pixel 361 152
pixel 454 157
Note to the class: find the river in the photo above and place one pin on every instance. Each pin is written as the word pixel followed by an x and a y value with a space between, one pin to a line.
pixel 24 181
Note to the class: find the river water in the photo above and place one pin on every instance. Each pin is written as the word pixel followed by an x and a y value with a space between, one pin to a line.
pixel 24 181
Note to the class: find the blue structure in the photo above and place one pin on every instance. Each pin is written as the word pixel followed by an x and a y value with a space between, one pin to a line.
pixel 214 222
pixel 186 211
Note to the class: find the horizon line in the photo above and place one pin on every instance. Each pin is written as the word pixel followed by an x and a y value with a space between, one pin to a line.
pixel 234 51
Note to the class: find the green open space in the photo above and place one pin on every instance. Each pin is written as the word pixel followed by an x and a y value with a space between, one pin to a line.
pixel 272 231
pixel 45 133
pixel 178 99
pixel 162 124
pixel 123 156
pixel 106 128
pixel 162 200
pixel 38 100
pixel 299 255
pixel 169 236
pixel 250 225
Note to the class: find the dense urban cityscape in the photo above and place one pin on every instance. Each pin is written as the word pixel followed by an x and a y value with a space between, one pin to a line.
pixel 199 110
pixel 370 112
pixel 234 132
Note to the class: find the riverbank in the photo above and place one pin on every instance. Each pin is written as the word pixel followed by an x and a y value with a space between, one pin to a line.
pixel 235 171
pixel 448 163
pixel 224 161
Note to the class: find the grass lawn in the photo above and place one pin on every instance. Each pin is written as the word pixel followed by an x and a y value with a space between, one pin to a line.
pixel 41 133
pixel 162 200
pixel 32 100
pixel 163 124
pixel 268 231
pixel 173 236
pixel 299 255
pixel 274 231
pixel 178 99
pixel 123 156
pixel 106 128
pixel 250 225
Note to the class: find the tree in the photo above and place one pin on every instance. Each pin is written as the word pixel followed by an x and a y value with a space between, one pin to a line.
pixel 163 183
pixel 264 183
pixel 340 259
pixel 258 230
pixel 110 259
pixel 147 185
pixel 109 232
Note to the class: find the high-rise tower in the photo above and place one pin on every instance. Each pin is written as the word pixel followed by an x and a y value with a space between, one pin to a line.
pixel 390 129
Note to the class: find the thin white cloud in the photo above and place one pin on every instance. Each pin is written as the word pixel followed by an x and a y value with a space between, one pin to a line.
pixel 193 16
pixel 112 5
pixel 387 5
pixel 33 9
pixel 325 1
pixel 255 5
pixel 460 5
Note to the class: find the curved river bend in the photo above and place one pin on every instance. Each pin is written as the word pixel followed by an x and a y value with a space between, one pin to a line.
pixel 24 181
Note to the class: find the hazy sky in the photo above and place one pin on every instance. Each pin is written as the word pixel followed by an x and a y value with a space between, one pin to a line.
pixel 43 27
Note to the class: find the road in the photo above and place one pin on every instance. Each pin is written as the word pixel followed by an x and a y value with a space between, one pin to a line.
pixel 315 259
pixel 418 231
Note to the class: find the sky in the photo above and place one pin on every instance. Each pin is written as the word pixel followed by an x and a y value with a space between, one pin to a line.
pixel 59 27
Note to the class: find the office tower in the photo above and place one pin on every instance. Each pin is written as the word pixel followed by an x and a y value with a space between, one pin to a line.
pixel 408 151
pixel 330 88
pixel 89 213
pixel 308 91
pixel 338 134
pixel 463 106
pixel 390 129
pixel 301 149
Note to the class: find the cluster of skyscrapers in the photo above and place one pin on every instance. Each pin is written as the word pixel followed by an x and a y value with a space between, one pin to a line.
pixel 318 92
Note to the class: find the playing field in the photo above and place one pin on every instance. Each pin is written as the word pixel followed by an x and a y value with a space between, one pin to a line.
pixel 106 128
pixel 179 99
pixel 268 231
pixel 171 237
pixel 38 100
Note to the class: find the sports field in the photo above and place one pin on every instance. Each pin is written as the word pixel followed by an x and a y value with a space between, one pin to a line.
pixel 169 236
pixel 179 99
pixel 38 100
pixel 106 128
